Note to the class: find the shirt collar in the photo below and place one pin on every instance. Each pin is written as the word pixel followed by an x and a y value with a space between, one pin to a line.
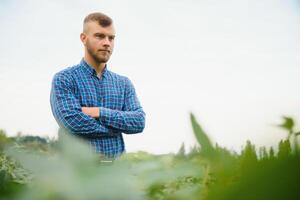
pixel 91 70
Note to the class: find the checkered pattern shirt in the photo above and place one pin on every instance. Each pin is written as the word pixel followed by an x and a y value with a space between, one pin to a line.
pixel 120 111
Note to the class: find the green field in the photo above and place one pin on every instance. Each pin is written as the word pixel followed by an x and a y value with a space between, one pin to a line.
pixel 40 168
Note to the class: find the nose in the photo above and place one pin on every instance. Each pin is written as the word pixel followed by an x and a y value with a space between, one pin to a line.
pixel 106 42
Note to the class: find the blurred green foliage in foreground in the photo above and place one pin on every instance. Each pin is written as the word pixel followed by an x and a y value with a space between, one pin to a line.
pixel 39 168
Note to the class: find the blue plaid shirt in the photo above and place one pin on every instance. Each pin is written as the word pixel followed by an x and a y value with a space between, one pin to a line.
pixel 120 110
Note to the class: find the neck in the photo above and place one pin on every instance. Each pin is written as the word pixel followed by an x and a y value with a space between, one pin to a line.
pixel 96 65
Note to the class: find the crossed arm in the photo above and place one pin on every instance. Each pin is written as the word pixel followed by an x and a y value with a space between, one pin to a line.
pixel 100 120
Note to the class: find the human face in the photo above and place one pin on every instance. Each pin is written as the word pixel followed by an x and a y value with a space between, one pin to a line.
pixel 98 41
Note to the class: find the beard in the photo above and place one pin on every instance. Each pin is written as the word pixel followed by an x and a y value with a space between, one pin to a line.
pixel 98 56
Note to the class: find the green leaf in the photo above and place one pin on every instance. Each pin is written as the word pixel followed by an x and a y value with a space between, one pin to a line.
pixel 287 124
pixel 207 148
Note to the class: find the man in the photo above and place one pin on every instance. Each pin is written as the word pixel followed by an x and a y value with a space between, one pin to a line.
pixel 89 100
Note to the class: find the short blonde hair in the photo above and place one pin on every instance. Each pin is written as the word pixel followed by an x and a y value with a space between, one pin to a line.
pixel 99 17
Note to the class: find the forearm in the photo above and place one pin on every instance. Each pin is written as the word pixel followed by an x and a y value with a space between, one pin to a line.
pixel 79 123
pixel 131 119
pixel 125 121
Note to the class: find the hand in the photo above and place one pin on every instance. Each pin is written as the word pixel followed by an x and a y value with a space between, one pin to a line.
pixel 91 111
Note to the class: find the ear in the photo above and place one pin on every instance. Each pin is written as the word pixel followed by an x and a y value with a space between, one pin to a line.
pixel 83 38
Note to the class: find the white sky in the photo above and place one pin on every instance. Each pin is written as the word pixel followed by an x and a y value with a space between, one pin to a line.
pixel 234 63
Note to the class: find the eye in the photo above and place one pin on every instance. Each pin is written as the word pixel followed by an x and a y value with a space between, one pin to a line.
pixel 100 36
pixel 111 38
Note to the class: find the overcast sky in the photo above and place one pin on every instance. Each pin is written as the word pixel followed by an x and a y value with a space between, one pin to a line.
pixel 234 64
